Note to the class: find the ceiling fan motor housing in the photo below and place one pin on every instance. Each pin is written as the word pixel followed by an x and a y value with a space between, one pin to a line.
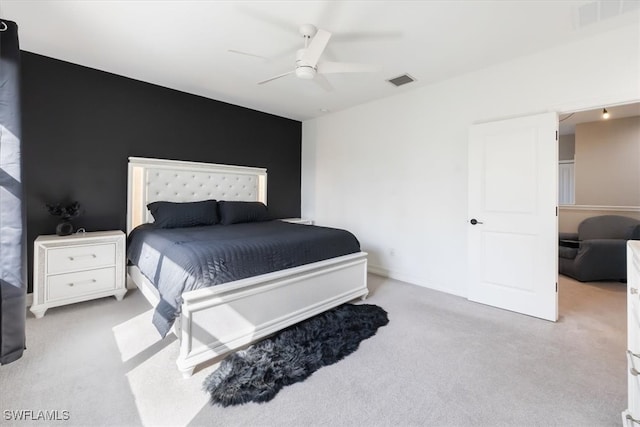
pixel 308 30
pixel 303 71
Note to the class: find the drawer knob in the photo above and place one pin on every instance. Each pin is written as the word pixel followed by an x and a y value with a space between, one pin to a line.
pixel 72 258
pixel 82 282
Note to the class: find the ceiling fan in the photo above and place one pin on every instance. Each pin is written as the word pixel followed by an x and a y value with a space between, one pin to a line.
pixel 308 65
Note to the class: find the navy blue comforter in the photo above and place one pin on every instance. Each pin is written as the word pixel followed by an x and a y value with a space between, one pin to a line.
pixel 179 260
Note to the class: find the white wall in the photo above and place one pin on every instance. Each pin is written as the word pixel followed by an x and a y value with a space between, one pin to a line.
pixel 394 171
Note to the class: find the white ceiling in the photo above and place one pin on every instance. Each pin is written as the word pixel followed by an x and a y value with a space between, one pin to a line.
pixel 185 45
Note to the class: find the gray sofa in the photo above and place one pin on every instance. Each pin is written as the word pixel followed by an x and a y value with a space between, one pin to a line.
pixel 598 250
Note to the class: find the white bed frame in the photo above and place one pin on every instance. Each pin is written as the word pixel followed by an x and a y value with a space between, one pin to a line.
pixel 217 320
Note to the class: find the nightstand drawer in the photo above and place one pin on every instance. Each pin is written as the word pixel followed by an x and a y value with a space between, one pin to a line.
pixel 70 285
pixel 76 258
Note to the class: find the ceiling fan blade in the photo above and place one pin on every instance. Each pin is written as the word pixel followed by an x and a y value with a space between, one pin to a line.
pixel 275 77
pixel 323 82
pixel 239 52
pixel 328 67
pixel 316 47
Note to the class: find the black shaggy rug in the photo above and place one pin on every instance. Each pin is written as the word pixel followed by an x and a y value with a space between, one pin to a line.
pixel 258 373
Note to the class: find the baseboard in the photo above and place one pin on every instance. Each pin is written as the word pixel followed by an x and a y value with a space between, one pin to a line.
pixel 419 281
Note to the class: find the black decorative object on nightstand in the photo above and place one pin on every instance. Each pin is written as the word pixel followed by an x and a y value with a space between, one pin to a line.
pixel 67 213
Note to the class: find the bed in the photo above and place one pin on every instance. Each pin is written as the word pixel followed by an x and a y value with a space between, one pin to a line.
pixel 212 321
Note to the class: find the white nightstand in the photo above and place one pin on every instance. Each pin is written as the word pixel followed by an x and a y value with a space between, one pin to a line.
pixel 79 267
pixel 298 221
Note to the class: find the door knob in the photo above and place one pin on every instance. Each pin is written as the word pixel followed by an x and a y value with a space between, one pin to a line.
pixel 475 221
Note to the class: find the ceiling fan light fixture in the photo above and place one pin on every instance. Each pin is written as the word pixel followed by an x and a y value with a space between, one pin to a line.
pixel 605 114
pixel 305 72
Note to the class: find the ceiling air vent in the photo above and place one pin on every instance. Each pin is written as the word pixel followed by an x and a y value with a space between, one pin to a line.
pixel 401 80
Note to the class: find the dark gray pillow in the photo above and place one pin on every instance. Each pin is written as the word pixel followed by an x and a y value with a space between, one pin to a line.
pixel 188 214
pixel 232 212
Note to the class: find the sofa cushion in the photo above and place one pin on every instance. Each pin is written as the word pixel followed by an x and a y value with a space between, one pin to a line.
pixel 567 252
pixel 607 227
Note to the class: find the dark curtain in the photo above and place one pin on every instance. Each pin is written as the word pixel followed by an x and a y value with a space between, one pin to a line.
pixel 13 284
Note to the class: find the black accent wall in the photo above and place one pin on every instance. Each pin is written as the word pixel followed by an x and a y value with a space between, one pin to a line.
pixel 80 125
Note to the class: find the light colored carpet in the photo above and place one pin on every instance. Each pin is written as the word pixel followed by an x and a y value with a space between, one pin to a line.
pixel 441 361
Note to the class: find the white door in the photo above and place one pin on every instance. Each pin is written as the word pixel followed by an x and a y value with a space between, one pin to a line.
pixel 512 223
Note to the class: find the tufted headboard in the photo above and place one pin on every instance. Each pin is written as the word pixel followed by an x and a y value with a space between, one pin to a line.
pixel 152 180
